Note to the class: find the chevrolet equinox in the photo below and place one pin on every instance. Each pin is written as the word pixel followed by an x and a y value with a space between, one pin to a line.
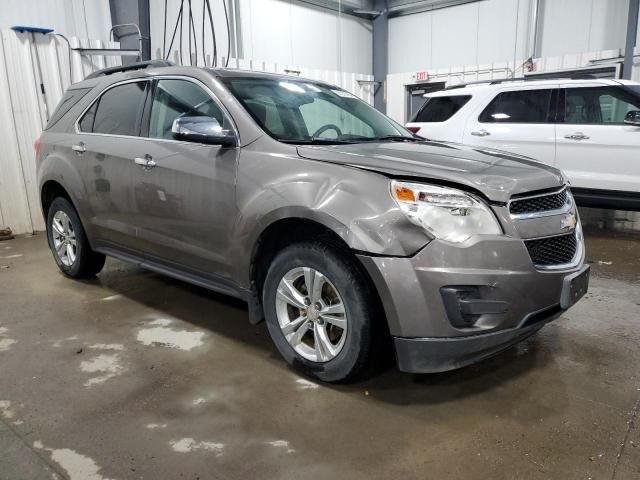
pixel 333 222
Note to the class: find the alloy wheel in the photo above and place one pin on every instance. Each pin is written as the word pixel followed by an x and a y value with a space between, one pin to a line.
pixel 64 238
pixel 311 314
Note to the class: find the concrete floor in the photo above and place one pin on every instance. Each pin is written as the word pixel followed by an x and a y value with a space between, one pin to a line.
pixel 134 375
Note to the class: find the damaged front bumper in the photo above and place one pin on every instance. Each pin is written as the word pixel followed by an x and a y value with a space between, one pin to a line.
pixel 451 305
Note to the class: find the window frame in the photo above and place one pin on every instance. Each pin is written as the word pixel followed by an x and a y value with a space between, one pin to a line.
pixel 552 114
pixel 144 112
pixel 562 103
pixel 98 98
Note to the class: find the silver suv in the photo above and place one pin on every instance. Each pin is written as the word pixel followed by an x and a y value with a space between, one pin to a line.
pixel 334 223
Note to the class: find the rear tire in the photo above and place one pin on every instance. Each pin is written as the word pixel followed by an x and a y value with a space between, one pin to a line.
pixel 68 242
pixel 328 332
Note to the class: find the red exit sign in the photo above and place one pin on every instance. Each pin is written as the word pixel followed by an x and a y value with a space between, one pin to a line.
pixel 422 76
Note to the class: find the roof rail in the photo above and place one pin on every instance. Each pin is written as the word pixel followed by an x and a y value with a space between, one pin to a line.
pixel 530 78
pixel 130 67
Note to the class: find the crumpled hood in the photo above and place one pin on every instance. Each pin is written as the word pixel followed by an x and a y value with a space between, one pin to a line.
pixel 497 174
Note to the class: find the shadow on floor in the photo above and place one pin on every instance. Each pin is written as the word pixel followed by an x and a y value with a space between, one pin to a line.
pixel 226 316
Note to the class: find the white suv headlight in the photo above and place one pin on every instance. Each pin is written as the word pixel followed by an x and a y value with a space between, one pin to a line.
pixel 446 213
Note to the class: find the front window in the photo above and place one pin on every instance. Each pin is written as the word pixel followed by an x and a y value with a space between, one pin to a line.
pixel 180 98
pixel 600 105
pixel 303 111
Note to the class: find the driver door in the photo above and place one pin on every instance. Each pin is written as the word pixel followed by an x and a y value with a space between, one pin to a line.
pixel 186 198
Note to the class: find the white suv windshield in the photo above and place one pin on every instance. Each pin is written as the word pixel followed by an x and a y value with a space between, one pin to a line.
pixel 302 111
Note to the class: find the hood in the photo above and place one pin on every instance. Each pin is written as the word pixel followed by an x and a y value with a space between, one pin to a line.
pixel 496 174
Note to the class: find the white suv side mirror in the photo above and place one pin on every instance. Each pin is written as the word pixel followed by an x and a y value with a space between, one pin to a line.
pixel 632 118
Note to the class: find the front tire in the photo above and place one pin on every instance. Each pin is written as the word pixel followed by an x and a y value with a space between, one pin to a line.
pixel 320 310
pixel 68 242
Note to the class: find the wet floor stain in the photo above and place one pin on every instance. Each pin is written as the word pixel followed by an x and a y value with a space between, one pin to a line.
pixel 5 342
pixel 188 445
pixel 159 333
pixel 282 444
pixel 306 384
pixel 104 366
pixel 5 410
pixel 76 465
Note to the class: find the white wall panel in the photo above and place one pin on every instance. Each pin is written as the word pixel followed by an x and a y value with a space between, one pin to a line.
pixel 24 111
pixel 573 26
pixel 480 32
pixel 90 19
pixel 278 31
pixel 410 43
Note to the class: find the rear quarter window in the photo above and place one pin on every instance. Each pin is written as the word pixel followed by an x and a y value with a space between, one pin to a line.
pixel 69 99
pixel 441 109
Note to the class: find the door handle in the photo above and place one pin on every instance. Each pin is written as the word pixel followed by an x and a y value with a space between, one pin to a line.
pixel 79 148
pixel 146 162
pixel 480 133
pixel 577 136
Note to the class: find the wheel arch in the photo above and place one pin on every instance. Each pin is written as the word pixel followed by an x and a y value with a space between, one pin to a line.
pixel 286 231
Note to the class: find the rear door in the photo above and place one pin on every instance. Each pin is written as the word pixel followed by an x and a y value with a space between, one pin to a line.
pixel 186 200
pixel 595 148
pixel 108 142
pixel 519 120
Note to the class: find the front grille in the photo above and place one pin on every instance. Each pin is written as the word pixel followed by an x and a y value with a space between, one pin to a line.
pixel 559 250
pixel 543 203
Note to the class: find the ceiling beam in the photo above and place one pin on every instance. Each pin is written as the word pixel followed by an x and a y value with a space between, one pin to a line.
pixel 398 8
pixel 356 8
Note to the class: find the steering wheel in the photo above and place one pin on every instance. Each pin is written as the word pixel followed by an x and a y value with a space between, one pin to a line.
pixel 324 128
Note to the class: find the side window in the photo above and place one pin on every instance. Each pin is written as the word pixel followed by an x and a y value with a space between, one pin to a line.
pixel 86 124
pixel 441 109
pixel 180 98
pixel 522 106
pixel 116 112
pixel 598 105
pixel 321 113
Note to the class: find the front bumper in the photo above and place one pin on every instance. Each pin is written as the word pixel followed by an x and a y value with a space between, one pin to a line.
pixel 512 299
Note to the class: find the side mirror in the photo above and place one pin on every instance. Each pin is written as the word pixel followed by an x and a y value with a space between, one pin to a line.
pixel 632 118
pixel 202 130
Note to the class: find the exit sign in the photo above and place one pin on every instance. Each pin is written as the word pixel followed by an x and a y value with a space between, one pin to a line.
pixel 420 76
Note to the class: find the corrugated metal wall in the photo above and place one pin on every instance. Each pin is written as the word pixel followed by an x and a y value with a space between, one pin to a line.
pixel 26 62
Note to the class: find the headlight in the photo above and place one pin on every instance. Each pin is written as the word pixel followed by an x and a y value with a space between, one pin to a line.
pixel 446 213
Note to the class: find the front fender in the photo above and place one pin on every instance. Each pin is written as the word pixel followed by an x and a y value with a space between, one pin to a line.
pixel 353 203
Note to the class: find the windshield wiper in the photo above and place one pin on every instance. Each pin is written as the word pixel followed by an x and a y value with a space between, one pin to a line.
pixel 317 141
pixel 397 138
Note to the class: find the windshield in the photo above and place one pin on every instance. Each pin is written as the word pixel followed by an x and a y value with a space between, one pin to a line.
pixel 302 111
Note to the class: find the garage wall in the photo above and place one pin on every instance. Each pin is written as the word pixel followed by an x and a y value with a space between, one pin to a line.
pixel 571 26
pixel 490 31
pixel 73 18
pixel 24 111
pixel 473 33
pixel 275 31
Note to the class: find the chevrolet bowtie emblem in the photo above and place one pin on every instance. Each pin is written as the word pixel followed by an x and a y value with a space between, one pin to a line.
pixel 568 222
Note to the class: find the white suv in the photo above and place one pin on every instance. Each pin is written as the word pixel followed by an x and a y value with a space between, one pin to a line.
pixel 590 129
